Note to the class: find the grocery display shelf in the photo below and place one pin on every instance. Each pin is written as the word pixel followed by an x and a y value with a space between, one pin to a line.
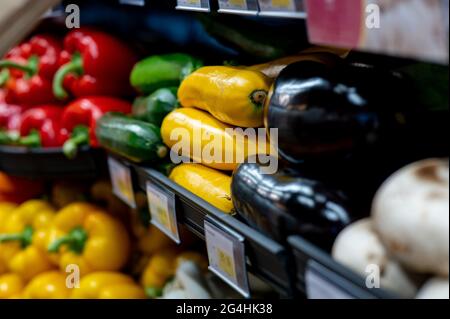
pixel 291 271
pixel 337 281
pixel 266 258
pixel 51 163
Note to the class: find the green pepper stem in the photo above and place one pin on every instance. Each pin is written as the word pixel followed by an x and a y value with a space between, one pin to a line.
pixel 4 77
pixel 32 140
pixel 75 240
pixel 30 69
pixel 80 136
pixel 24 237
pixel 74 66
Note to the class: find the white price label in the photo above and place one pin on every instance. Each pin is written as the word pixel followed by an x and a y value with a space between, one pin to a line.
pixel 226 254
pixel 320 287
pixel 193 4
pixel 162 210
pixel 121 182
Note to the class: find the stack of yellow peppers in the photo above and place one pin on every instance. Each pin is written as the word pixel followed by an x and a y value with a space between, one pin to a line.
pixel 44 252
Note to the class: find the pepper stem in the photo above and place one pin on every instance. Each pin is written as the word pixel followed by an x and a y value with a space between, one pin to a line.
pixel 74 66
pixel 258 97
pixel 8 137
pixel 32 140
pixel 30 69
pixel 80 136
pixel 75 240
pixel 24 237
pixel 4 77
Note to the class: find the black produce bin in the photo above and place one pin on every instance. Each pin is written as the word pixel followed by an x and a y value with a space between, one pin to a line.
pixel 52 163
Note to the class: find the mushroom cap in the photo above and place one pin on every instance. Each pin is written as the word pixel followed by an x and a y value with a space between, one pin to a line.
pixel 410 213
pixel 435 288
pixel 358 247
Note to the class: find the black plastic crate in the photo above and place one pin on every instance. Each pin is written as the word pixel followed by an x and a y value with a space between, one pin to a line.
pixel 51 163
pixel 312 262
pixel 266 258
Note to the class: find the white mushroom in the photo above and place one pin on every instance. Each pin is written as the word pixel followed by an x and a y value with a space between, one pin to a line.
pixel 410 213
pixel 359 248
pixel 435 288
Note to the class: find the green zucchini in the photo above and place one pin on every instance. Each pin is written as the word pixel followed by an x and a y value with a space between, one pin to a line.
pixel 133 139
pixel 159 71
pixel 153 108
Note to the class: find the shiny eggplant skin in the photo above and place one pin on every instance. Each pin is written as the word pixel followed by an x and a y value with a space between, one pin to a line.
pixel 282 204
pixel 324 111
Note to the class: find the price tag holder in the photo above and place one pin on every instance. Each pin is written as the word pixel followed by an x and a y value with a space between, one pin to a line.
pixel 245 7
pixel 194 5
pixel 282 8
pixel 161 203
pixel 122 182
pixel 226 254
pixel 322 283
pixel 138 3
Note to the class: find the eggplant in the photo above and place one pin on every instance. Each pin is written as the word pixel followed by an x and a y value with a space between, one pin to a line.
pixel 284 204
pixel 328 112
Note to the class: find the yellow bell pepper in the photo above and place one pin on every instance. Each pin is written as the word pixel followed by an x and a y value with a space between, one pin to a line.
pixel 48 285
pixel 160 268
pixel 18 249
pixel 108 285
pixel 193 256
pixel 11 286
pixel 210 137
pixel 207 183
pixel 84 235
pixel 5 210
pixel 232 95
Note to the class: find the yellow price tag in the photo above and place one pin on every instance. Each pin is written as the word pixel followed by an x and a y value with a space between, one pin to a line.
pixel 162 210
pixel 226 263
pixel 237 3
pixel 282 4
pixel 194 2
pixel 121 182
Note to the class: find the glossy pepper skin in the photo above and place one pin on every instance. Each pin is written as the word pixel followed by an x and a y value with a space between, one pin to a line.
pixel 94 63
pixel 233 95
pixel 285 203
pixel 5 210
pixel 108 285
pixel 28 70
pixel 160 268
pixel 11 286
pixel 41 126
pixel 79 120
pixel 331 112
pixel 9 114
pixel 84 235
pixel 48 285
pixel 19 233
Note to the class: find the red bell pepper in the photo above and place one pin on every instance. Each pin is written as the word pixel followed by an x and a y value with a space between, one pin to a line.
pixel 79 120
pixel 96 63
pixel 41 126
pixel 9 114
pixel 28 69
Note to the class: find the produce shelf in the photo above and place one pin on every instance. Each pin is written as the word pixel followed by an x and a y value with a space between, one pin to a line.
pixel 266 259
pixel 312 263
pixel 51 163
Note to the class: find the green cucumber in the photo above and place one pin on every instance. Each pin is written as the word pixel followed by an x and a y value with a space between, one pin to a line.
pixel 159 71
pixel 153 108
pixel 133 139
